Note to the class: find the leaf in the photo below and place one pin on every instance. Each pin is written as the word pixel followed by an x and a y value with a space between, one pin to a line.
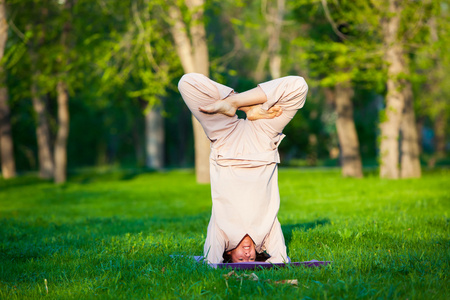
pixel 288 281
pixel 251 276
pixel 255 277
pixel 229 274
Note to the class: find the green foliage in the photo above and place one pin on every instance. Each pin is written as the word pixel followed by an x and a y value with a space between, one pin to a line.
pixel 354 56
pixel 120 62
pixel 109 233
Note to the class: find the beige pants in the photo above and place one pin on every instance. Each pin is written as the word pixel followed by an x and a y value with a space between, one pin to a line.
pixel 244 157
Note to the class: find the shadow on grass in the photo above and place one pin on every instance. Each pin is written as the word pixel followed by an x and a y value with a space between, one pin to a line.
pixel 31 239
pixel 290 228
pixel 22 181
pixel 86 176
pixel 80 176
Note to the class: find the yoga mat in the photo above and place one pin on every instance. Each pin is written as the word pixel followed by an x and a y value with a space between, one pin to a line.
pixel 265 265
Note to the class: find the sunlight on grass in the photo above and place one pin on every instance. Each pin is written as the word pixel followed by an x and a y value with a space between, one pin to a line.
pixel 110 234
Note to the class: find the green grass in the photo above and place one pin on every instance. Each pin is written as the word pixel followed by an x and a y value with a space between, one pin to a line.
pixel 109 235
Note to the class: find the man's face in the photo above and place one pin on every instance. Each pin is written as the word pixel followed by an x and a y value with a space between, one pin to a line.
pixel 244 252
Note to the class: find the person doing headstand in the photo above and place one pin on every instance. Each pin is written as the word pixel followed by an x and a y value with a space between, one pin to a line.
pixel 243 163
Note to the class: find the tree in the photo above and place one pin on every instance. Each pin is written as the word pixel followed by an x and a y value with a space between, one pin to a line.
pixel 338 59
pixel 399 112
pixel 46 164
pixel 6 140
pixel 62 135
pixel 274 18
pixel 410 163
pixel 395 99
pixel 434 62
pixel 142 62
pixel 193 53
pixel 154 127
pixel 345 125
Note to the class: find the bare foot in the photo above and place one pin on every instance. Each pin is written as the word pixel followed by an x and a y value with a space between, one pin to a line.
pixel 256 112
pixel 221 107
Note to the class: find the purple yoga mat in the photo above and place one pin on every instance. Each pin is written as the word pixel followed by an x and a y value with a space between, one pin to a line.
pixel 255 265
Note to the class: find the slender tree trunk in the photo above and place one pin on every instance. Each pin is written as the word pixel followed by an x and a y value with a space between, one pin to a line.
pixel 43 137
pixel 6 140
pixel 334 150
pixel 194 58
pixel 420 124
pixel 154 132
pixel 275 22
pixel 183 134
pixel 410 162
pixel 138 146
pixel 348 137
pixel 440 123
pixel 439 101
pixel 259 74
pixel 63 133
pixel 390 124
pixel 46 166
pixel 102 152
pixel 198 36
pixel 201 63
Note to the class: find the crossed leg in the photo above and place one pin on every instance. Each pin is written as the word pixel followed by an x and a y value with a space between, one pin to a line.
pixel 249 102
pixel 214 105
pixel 289 93
pixel 271 105
pixel 198 91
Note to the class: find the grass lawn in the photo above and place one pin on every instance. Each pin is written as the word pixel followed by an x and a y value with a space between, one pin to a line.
pixel 109 235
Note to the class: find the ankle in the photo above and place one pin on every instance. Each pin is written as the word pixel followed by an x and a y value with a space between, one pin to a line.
pixel 245 108
pixel 233 101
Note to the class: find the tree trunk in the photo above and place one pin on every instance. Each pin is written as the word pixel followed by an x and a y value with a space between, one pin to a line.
pixel 6 140
pixel 154 137
pixel 259 74
pixel 275 22
pixel 46 166
pixel 410 162
pixel 420 124
pixel 439 101
pixel 198 36
pixel 440 123
pixel 138 146
pixel 194 58
pixel 62 134
pixel 390 124
pixel 346 130
pixel 43 137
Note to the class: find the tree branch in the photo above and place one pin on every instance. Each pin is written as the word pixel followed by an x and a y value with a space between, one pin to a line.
pixel 331 21
pixel 16 30
pixel 142 32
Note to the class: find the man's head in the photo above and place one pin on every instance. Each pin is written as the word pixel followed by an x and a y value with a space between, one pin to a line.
pixel 244 252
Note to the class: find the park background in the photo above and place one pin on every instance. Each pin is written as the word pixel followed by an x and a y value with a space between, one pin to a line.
pixel 104 169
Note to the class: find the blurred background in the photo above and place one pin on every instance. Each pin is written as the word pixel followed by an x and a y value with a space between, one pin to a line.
pixel 87 83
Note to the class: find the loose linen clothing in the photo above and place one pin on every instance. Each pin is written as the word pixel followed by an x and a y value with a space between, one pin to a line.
pixel 243 165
